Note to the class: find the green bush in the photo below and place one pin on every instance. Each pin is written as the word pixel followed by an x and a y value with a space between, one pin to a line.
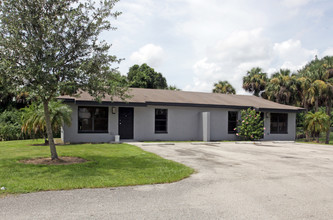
pixel 251 125
pixel 10 125
pixel 300 117
pixel 10 132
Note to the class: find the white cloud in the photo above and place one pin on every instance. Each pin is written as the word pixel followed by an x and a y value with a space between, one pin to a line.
pixel 210 69
pixel 292 54
pixel 198 85
pixel 205 75
pixel 205 41
pixel 243 45
pixel 134 14
pixel 230 59
pixel 328 52
pixel 151 54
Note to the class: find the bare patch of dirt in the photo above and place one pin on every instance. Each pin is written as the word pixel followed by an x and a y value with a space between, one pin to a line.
pixel 49 161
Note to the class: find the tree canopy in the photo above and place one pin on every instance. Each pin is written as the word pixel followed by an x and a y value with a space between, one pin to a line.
pixel 310 87
pixel 224 87
pixel 174 87
pixel 282 87
pixel 255 81
pixel 33 117
pixel 48 48
pixel 143 76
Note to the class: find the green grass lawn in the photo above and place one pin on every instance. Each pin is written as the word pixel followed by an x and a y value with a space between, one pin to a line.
pixel 108 165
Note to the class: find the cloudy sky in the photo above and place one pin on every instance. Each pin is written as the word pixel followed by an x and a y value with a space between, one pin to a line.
pixel 195 43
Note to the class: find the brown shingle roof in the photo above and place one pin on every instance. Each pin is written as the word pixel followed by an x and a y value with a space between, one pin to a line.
pixel 182 98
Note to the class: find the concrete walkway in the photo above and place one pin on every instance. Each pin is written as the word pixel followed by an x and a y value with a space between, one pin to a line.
pixel 233 181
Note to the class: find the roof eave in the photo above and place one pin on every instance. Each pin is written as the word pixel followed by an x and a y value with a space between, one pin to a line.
pixel 143 104
pixel 298 110
pixel 108 103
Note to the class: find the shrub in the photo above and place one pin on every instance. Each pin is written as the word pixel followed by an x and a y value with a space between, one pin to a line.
pixel 300 117
pixel 10 125
pixel 251 125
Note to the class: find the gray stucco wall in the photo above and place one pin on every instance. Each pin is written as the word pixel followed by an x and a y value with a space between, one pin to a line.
pixel 184 123
pixel 291 135
pixel 70 134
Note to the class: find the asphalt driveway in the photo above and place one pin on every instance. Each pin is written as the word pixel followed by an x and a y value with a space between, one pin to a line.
pixel 233 181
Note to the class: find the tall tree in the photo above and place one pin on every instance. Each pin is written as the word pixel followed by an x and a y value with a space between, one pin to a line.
pixel 316 76
pixel 224 87
pixel 282 87
pixel 318 85
pixel 51 47
pixel 145 77
pixel 317 122
pixel 255 81
pixel 303 85
pixel 328 66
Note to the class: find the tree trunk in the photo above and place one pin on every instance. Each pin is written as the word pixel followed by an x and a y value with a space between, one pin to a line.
pixel 328 112
pixel 307 136
pixel 316 104
pixel 305 105
pixel 54 155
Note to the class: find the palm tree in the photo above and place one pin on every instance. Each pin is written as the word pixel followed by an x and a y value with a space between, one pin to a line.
pixel 224 87
pixel 255 81
pixel 33 118
pixel 303 85
pixel 282 87
pixel 317 76
pixel 316 123
pixel 317 81
pixel 328 65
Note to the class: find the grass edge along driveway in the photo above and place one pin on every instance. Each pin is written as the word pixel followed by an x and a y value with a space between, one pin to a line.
pixel 109 165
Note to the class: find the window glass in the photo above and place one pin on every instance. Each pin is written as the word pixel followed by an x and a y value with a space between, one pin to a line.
pixel 279 123
pixel 101 119
pixel 93 119
pixel 161 119
pixel 85 119
pixel 232 122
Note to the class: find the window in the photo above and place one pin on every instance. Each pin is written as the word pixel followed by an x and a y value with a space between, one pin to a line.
pixel 232 122
pixel 279 123
pixel 161 120
pixel 93 119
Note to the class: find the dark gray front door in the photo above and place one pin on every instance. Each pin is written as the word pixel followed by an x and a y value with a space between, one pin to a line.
pixel 126 123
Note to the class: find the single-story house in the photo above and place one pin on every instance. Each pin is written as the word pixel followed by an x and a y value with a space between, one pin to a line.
pixel 154 114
